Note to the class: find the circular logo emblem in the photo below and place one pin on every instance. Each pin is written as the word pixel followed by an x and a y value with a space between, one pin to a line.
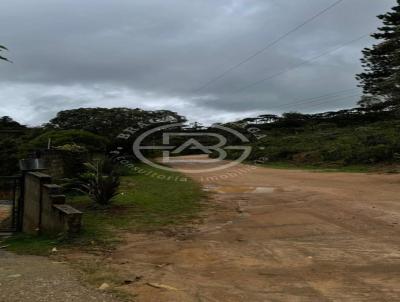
pixel 172 143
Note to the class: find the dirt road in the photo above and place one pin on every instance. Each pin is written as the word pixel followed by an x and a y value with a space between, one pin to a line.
pixel 37 279
pixel 277 235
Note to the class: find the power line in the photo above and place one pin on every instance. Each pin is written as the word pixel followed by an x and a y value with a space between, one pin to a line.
pixel 319 98
pixel 338 98
pixel 302 63
pixel 322 99
pixel 273 43
pixel 341 98
pixel 327 95
pixel 334 101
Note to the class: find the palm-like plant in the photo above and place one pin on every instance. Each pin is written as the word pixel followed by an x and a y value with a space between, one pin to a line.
pixel 100 182
pixel 2 48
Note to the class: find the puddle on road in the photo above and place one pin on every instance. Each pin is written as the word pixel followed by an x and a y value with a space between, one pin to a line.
pixel 238 189
pixel 262 190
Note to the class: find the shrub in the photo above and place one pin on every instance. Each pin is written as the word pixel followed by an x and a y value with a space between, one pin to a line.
pixel 100 182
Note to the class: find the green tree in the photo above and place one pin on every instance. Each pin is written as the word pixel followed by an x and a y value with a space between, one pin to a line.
pixel 108 122
pixel 11 134
pixel 381 78
pixel 7 123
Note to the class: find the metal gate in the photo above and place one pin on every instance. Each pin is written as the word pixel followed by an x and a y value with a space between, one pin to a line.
pixel 11 203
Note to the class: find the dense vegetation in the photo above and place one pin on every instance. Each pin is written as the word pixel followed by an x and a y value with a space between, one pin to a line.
pixel 355 136
pixel 365 135
pixel 79 133
pixel 11 137
pixel 342 138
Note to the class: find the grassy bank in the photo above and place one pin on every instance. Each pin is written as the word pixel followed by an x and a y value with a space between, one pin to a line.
pixel 377 168
pixel 147 202
pixel 314 145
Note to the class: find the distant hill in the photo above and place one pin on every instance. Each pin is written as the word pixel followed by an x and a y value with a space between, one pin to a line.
pixel 354 136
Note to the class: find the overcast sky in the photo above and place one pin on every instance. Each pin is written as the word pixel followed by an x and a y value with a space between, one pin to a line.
pixel 155 54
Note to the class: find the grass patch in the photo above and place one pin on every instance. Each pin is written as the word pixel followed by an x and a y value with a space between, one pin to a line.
pixel 144 203
pixel 332 168
pixel 30 245
pixel 323 168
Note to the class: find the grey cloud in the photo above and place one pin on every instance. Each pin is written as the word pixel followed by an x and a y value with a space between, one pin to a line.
pixel 136 50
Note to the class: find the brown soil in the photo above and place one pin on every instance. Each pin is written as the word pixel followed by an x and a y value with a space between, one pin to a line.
pixel 276 235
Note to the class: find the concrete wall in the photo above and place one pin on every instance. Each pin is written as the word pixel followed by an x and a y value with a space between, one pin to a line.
pixel 54 163
pixel 33 183
pixel 49 218
pixel 45 211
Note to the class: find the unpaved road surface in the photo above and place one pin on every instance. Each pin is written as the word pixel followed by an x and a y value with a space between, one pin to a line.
pixel 277 235
pixel 38 279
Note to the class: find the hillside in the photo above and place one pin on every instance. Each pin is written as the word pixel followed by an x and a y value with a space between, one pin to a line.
pixel 354 136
